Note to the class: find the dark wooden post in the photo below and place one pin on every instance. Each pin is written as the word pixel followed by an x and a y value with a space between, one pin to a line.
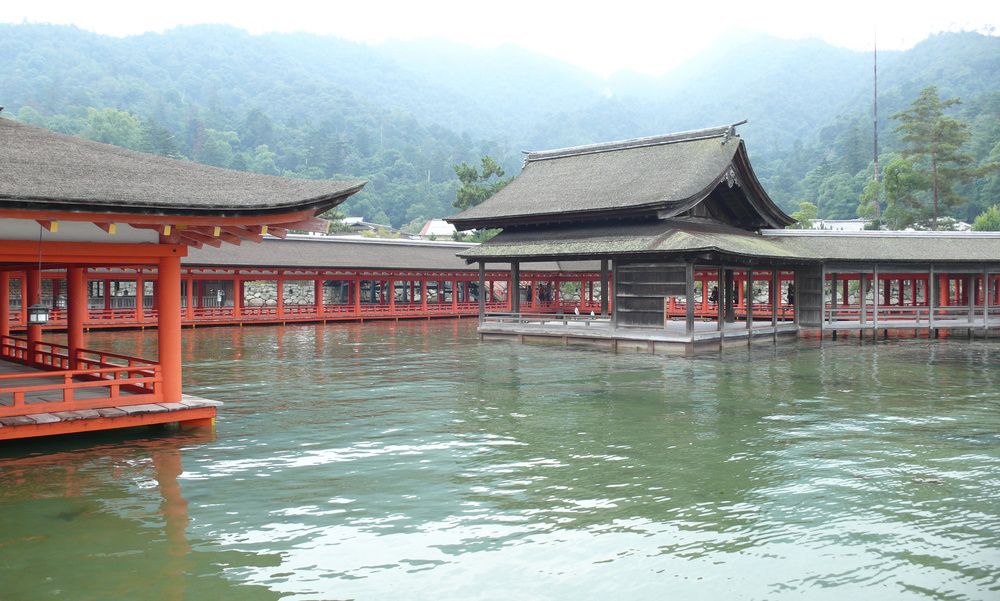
pixel 604 287
pixel 748 301
pixel 775 290
pixel 482 292
pixel 514 290
pixel 689 306
pixel 875 303
pixel 729 288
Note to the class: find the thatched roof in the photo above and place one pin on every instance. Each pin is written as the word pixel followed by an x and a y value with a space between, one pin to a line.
pixel 648 238
pixel 680 239
pixel 355 253
pixel 633 178
pixel 41 170
pixel 973 248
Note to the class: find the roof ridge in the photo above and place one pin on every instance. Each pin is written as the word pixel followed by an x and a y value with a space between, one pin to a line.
pixel 721 131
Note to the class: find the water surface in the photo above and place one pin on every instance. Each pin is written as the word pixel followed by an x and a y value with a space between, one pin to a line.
pixel 410 461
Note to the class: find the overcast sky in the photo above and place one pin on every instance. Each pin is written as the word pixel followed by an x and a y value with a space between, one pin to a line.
pixel 650 37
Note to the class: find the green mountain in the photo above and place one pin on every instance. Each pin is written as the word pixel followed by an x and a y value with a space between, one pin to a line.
pixel 402 113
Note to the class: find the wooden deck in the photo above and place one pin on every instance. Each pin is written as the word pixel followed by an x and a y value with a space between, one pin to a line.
pixel 570 330
pixel 37 419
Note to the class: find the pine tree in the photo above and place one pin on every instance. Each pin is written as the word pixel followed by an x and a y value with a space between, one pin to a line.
pixel 934 143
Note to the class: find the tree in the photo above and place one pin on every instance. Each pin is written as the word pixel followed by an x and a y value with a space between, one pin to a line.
pixel 807 211
pixel 157 139
pixel 476 186
pixel 988 220
pixel 935 141
pixel 900 182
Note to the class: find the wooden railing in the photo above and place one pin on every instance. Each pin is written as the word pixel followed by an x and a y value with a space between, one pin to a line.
pixel 126 380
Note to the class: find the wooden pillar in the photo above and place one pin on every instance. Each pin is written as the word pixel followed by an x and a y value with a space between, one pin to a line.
pixel 454 295
pixel 931 299
pixel 730 289
pixel 392 295
pixel 986 301
pixel 614 296
pixel 5 303
pixel 356 295
pixel 318 294
pixel 482 292
pixel 140 291
pixel 168 327
pixel 970 296
pixel 748 299
pixel 833 300
pixel 189 294
pixel 25 302
pixel 514 289
pixel 863 300
pixel 875 303
pixel 604 287
pixel 76 311
pixel 775 290
pixel 689 306
pixel 534 294
pixel 238 294
pixel 32 286
pixel 720 302
pixel 280 281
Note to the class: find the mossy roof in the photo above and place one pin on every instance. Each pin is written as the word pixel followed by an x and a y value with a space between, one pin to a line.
pixel 48 171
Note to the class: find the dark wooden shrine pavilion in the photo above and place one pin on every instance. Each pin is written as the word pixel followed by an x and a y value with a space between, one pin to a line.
pixel 693 252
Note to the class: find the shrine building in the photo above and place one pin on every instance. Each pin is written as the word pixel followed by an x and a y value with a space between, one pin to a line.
pixel 694 256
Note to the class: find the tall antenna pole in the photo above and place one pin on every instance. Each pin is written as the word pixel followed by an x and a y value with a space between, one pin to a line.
pixel 878 211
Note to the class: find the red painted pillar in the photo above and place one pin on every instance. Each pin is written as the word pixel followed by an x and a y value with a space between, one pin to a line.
pixel 139 294
pixel 423 296
pixel 189 297
pixel 5 303
pixel 318 295
pixel 356 283
pixel 281 294
pixel 391 291
pixel 169 326
pixel 76 311
pixel 238 298
pixel 32 286
pixel 25 303
pixel 454 296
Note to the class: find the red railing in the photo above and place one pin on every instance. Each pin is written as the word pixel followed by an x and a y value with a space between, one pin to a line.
pixel 127 380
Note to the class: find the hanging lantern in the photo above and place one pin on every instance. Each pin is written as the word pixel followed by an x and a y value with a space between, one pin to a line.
pixel 38 314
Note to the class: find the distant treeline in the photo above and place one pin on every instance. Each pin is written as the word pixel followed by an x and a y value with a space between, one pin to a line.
pixel 401 115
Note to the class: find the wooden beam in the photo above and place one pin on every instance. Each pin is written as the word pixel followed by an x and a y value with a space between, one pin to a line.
pixel 199 237
pixel 242 232
pixel 312 224
pixel 52 226
pixel 110 228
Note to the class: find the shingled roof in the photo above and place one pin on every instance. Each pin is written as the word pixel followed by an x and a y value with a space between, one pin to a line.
pixel 671 173
pixel 41 170
pixel 351 252
pixel 631 239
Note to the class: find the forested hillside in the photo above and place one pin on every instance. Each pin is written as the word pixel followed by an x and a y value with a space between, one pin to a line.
pixel 401 114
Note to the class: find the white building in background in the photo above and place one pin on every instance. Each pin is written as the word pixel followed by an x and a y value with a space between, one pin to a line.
pixel 845 225
pixel 439 228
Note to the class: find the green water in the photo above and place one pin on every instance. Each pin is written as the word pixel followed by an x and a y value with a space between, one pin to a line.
pixel 410 461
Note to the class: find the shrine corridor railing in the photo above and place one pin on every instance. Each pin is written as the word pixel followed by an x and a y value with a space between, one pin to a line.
pixel 88 380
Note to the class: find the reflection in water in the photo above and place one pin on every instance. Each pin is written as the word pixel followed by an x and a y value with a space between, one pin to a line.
pixel 408 460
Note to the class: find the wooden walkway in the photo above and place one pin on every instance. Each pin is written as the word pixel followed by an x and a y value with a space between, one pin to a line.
pixel 190 409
